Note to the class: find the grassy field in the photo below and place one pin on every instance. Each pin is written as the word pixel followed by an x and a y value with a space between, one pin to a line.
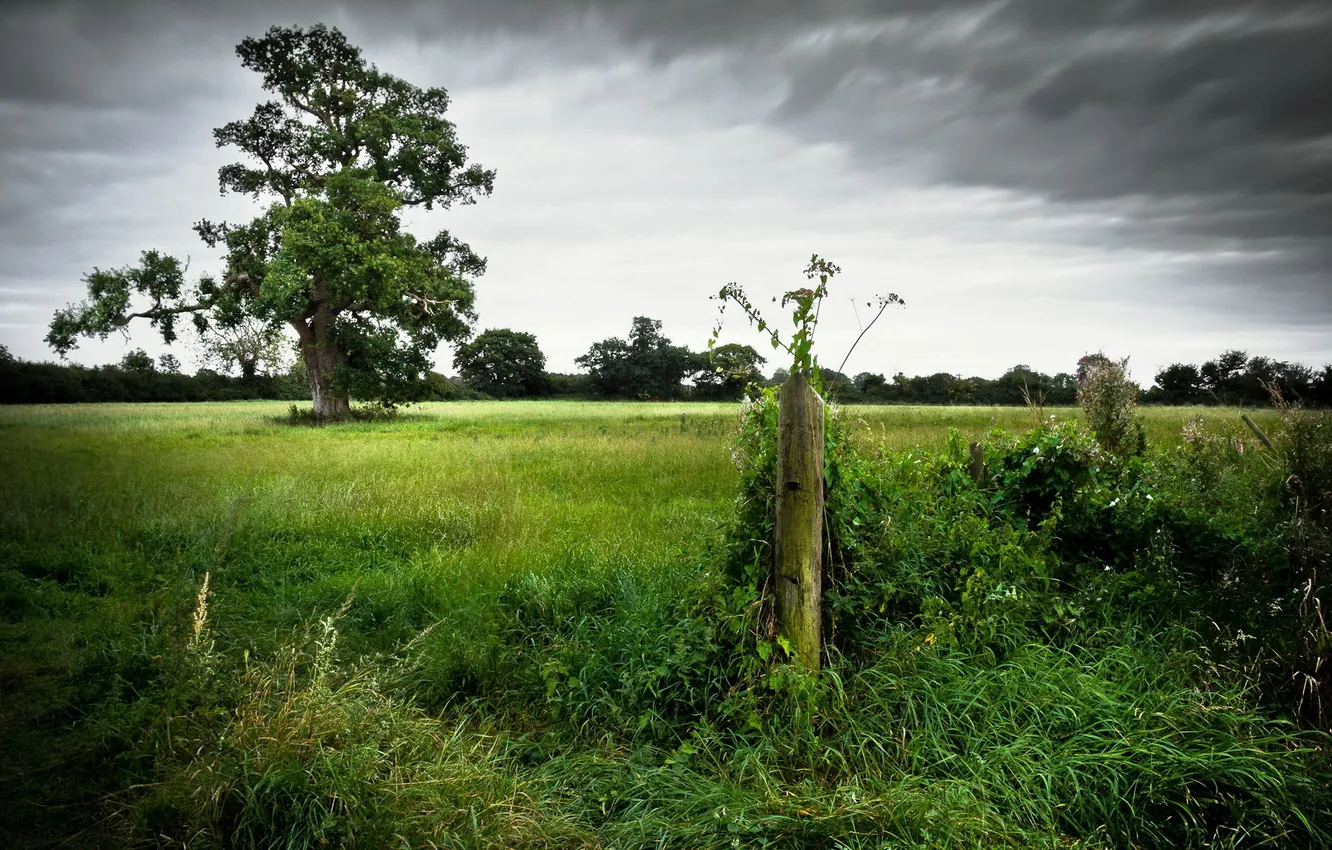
pixel 111 516
pixel 450 496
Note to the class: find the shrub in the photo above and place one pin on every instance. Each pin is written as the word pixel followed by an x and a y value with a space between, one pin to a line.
pixel 1304 445
pixel 1108 401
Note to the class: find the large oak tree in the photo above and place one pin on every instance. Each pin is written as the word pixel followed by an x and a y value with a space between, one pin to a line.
pixel 339 152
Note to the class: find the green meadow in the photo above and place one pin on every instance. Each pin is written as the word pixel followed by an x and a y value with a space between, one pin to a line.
pixel 523 624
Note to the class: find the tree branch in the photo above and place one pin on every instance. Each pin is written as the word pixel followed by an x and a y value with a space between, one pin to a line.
pixel 305 106
pixel 428 303
pixel 275 179
pixel 159 311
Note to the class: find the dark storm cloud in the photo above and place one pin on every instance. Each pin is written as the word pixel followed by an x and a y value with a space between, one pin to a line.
pixel 1218 111
pixel 1200 125
pixel 1076 101
pixel 104 55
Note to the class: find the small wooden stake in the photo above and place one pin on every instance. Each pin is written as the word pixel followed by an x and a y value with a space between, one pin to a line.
pixel 798 550
pixel 977 462
pixel 1257 432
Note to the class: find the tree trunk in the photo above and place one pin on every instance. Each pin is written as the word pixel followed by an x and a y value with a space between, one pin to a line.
pixel 798 550
pixel 322 358
pixel 329 404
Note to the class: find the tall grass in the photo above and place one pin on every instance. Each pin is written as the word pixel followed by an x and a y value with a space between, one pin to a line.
pixel 506 624
pixel 310 752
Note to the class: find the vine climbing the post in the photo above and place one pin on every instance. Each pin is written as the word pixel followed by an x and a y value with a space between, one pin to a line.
pixel 805 317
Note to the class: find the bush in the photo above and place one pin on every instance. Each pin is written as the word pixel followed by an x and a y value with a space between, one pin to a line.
pixel 1109 400
pixel 1304 445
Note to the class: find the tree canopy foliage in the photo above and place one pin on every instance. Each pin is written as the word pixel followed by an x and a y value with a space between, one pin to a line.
pixel 728 371
pixel 503 363
pixel 338 153
pixel 646 365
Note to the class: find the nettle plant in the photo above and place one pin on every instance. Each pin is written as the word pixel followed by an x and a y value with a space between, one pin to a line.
pixel 805 317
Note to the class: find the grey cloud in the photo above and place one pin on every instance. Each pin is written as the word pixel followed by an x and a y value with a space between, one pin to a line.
pixel 119 55
pixel 1241 96
pixel 1070 100
pixel 1203 101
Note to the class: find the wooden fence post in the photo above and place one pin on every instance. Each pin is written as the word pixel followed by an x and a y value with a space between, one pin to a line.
pixel 977 462
pixel 1257 432
pixel 798 550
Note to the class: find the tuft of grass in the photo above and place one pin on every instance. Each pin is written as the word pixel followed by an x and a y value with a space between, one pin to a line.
pixel 311 752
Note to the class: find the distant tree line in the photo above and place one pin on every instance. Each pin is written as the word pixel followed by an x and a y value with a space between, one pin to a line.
pixel 136 378
pixel 646 365
pixel 503 363
pixel 1236 378
pixel 1014 387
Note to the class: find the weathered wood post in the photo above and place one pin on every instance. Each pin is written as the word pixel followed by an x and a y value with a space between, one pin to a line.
pixel 798 550
pixel 977 462
pixel 1257 432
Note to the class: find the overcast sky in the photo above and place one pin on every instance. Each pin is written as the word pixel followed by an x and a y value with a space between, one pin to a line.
pixel 1037 178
